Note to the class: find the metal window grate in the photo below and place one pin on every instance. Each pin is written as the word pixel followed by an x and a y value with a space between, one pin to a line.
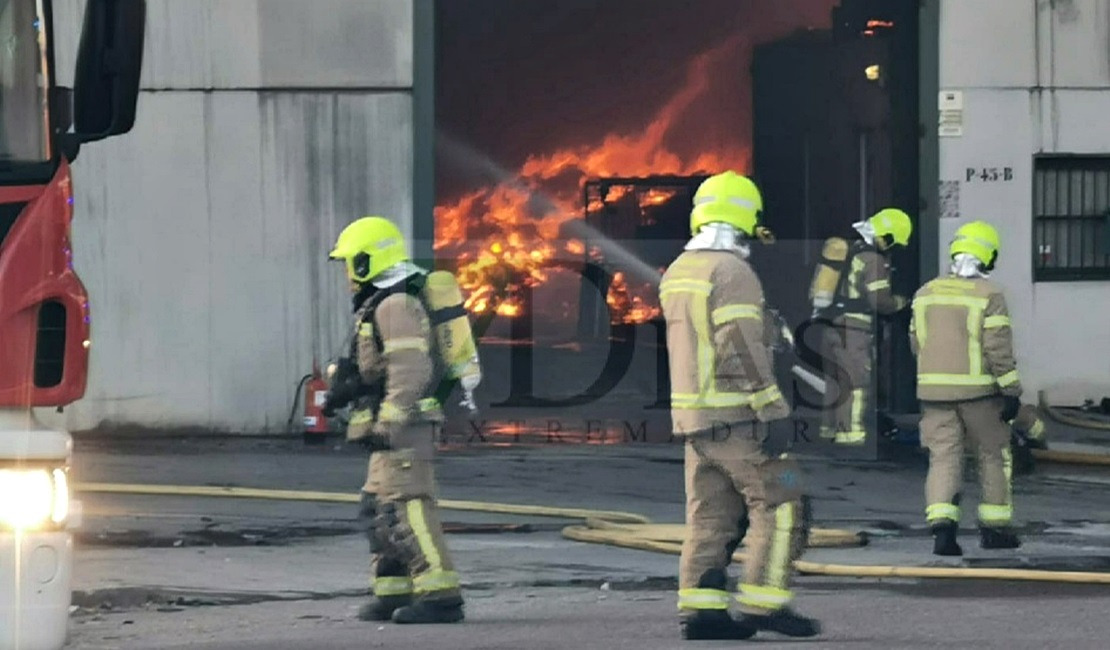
pixel 1071 218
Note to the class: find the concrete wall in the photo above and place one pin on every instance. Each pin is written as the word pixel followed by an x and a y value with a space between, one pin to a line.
pixel 263 128
pixel 1035 77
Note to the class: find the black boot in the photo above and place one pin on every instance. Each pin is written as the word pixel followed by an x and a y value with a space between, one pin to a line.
pixel 382 608
pixel 944 540
pixel 424 611
pixel 714 625
pixel 998 538
pixel 785 621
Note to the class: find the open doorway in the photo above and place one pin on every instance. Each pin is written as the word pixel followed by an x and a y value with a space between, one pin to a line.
pixel 558 121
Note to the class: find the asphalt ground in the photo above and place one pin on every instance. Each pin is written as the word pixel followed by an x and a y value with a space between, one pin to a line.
pixel 854 614
pixel 186 572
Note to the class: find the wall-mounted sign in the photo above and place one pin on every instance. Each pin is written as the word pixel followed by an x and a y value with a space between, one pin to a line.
pixel 950 104
pixel 989 174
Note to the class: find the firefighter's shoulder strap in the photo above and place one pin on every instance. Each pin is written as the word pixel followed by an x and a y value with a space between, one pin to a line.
pixel 453 338
pixel 412 286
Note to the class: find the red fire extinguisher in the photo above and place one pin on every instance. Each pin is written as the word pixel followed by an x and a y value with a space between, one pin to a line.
pixel 315 393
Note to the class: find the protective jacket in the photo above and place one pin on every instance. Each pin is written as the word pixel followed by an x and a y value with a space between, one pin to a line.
pixel 961 334
pixel 721 368
pixel 394 351
pixel 864 289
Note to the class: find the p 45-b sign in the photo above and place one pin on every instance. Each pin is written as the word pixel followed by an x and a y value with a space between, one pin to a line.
pixel 989 174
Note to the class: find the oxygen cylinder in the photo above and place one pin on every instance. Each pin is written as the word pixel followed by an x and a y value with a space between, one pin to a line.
pixel 826 276
pixel 455 345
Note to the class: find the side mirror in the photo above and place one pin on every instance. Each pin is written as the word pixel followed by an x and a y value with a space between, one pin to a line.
pixel 109 62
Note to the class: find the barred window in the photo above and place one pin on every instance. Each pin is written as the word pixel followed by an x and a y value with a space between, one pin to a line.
pixel 1071 218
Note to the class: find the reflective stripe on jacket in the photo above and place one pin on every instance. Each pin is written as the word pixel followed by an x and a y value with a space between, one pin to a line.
pixel 962 337
pixel 720 366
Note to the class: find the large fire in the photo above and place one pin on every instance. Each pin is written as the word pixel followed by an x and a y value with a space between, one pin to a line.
pixel 508 237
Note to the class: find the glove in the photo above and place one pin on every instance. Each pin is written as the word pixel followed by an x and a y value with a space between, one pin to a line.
pixel 346 370
pixel 333 402
pixel 1010 407
pixel 347 386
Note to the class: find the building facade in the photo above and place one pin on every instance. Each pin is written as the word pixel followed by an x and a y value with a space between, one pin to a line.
pixel 1024 143
pixel 263 128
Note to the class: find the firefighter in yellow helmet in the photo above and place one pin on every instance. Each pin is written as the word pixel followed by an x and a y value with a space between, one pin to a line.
pixel 969 388
pixel 723 394
pixel 413 578
pixel 851 287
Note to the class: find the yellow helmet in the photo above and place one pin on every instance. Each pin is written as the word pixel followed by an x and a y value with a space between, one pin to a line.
pixel 369 246
pixel 978 239
pixel 894 223
pixel 728 198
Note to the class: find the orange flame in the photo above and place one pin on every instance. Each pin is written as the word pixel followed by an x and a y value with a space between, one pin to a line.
pixel 501 237
pixel 629 307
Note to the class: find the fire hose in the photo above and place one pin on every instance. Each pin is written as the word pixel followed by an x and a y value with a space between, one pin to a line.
pixel 630 530
pixel 1063 417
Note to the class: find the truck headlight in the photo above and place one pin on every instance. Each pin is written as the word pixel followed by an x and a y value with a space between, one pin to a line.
pixel 33 498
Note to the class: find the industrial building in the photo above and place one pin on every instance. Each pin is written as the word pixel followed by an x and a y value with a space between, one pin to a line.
pixel 266 125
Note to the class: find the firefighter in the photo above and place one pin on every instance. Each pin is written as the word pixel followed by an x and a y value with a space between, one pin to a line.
pixel 969 388
pixel 851 287
pixel 723 394
pixel 413 577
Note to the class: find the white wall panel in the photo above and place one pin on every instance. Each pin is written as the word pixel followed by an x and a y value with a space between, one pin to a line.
pixel 263 43
pixel 1077 33
pixel 335 42
pixel 202 235
pixel 987 43
pixel 202 238
pixel 1013 110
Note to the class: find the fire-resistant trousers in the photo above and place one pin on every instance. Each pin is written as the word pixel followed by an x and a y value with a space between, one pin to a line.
pixel 408 552
pixel 735 493
pixel 947 428
pixel 846 351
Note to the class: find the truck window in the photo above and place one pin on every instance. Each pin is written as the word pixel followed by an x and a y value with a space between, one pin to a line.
pixel 24 112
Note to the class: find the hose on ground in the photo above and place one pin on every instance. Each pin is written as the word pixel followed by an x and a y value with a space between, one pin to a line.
pixel 1070 457
pixel 1063 417
pixel 609 537
pixel 630 530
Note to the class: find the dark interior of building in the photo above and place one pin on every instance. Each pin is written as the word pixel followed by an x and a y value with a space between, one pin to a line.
pixel 834 138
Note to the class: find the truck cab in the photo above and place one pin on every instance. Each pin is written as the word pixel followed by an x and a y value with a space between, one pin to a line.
pixel 45 322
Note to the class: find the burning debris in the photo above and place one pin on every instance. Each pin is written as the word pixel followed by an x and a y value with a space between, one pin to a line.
pixel 510 236
pixel 514 236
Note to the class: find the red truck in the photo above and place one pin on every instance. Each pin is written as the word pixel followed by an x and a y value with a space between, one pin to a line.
pixel 44 309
